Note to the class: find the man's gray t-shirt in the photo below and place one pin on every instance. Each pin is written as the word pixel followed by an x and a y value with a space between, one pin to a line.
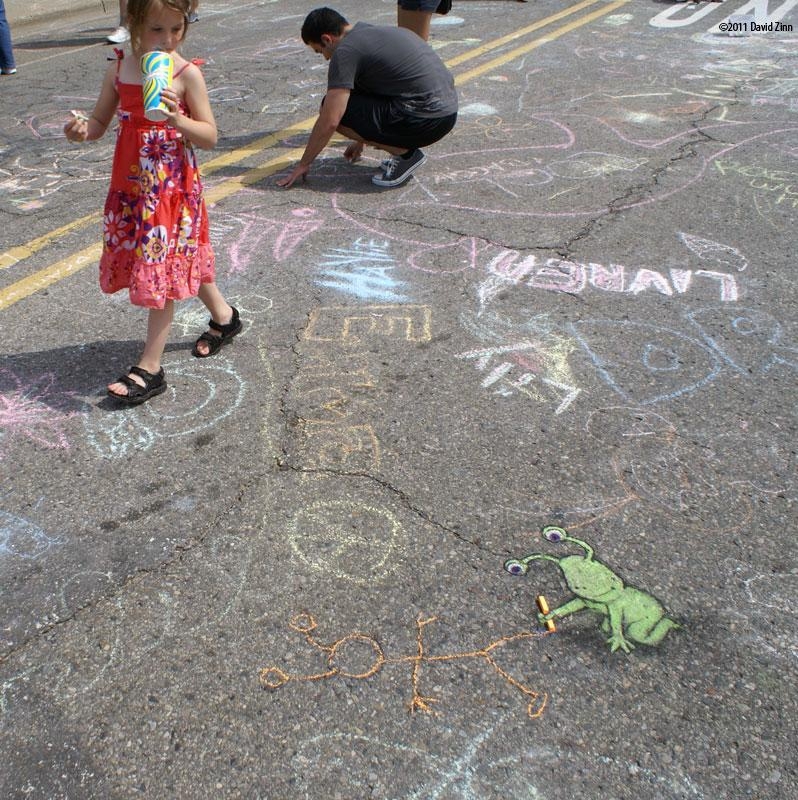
pixel 393 62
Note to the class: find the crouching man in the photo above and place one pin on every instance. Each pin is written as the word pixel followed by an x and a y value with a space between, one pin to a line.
pixel 386 87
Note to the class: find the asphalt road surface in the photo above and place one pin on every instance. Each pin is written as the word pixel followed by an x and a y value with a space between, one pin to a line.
pixel 285 577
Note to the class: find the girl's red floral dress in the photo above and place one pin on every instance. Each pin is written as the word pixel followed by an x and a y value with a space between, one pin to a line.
pixel 155 225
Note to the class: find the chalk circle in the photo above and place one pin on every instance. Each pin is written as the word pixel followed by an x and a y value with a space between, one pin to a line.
pixel 303 623
pixel 447 21
pixel 228 94
pixel 354 542
pixel 273 677
pixel 49 125
pixel 208 393
pixel 216 388
pixel 377 655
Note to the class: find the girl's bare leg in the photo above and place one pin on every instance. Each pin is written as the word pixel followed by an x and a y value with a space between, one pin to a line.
pixel 159 324
pixel 416 21
pixel 221 310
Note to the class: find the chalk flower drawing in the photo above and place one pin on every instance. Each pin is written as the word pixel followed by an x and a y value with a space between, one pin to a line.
pixel 24 412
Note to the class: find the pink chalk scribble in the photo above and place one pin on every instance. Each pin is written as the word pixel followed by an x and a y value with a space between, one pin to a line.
pixel 25 414
pixel 284 236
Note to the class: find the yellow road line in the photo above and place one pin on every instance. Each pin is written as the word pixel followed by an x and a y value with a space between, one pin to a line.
pixel 50 275
pixel 233 185
pixel 511 37
pixel 510 55
pixel 62 269
pixel 23 251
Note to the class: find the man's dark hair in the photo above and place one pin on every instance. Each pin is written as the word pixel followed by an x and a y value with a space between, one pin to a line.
pixel 321 21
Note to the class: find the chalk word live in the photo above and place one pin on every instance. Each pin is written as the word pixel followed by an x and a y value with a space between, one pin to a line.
pixel 560 275
pixel 672 17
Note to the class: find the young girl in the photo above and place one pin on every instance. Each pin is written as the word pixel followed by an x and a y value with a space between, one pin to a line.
pixel 155 224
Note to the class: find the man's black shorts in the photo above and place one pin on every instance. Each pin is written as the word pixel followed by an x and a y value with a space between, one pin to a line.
pixel 378 121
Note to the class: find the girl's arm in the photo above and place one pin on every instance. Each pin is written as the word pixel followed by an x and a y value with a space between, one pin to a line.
pixel 80 129
pixel 200 127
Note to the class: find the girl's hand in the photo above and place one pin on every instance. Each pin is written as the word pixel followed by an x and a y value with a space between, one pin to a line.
pixel 172 102
pixel 77 129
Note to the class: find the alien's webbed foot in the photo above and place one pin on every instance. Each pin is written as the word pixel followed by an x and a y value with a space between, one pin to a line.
pixel 617 641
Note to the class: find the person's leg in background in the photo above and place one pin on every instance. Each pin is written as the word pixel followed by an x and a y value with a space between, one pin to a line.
pixel 7 64
pixel 121 34
pixel 416 16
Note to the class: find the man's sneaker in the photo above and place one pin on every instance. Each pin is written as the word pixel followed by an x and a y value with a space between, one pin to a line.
pixel 8 71
pixel 119 36
pixel 398 169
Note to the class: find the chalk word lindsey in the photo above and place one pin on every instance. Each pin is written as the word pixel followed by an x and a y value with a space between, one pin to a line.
pixel 572 277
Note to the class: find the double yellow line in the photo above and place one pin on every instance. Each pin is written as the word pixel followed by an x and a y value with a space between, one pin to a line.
pixel 77 261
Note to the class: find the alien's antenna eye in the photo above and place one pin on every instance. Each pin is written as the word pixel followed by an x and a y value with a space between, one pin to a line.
pixel 515 567
pixel 553 534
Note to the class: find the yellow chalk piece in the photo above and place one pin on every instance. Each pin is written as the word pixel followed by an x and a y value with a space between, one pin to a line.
pixel 544 609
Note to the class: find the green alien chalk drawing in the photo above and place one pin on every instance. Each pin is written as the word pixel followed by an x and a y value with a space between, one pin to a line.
pixel 630 615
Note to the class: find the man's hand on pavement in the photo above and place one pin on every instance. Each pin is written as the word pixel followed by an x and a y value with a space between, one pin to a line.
pixel 299 171
pixel 353 152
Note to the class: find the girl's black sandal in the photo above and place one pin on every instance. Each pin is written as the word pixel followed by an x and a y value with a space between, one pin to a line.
pixel 154 383
pixel 226 333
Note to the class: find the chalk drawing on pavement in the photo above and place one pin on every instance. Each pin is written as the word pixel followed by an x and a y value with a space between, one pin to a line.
pixel 488 766
pixel 248 236
pixel 709 250
pixel 630 615
pixel 354 542
pixel 364 270
pixel 763 603
pixel 353 326
pixel 20 538
pixel 372 659
pixel 208 394
pixel 27 412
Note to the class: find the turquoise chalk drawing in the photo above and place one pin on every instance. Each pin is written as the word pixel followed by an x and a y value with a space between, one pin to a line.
pixel 630 615
pixel 363 270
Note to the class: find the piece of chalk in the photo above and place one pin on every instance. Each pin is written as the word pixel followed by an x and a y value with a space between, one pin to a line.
pixel 544 609
pixel 79 115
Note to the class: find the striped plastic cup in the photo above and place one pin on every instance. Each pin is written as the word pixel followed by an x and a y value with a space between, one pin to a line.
pixel 157 69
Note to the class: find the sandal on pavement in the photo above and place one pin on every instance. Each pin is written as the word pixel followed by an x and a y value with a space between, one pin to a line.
pixel 136 393
pixel 226 333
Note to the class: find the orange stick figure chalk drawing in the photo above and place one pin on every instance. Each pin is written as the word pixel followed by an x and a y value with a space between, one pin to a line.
pixel 304 623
